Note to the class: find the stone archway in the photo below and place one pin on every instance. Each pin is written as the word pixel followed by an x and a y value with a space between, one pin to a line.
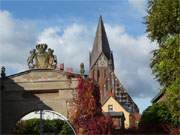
pixel 45 115
pixel 62 117
pixel 36 89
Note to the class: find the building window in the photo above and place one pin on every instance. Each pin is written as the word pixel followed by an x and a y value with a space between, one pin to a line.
pixel 106 85
pixel 110 108
pixel 104 73
pixel 117 93
pixel 98 75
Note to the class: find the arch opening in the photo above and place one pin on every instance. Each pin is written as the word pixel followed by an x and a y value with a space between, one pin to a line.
pixel 44 122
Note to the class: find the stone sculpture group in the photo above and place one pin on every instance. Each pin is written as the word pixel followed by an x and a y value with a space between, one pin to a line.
pixel 41 59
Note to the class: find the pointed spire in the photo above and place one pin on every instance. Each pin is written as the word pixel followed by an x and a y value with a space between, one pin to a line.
pixel 101 44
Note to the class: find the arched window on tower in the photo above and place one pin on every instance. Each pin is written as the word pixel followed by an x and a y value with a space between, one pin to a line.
pixel 98 75
pixel 109 84
pixel 93 74
pixel 106 85
pixel 104 73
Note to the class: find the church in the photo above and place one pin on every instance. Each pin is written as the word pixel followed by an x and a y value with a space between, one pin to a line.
pixel 114 97
pixel 44 86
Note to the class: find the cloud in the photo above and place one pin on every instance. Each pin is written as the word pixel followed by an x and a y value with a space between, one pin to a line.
pixel 16 38
pixel 131 54
pixel 138 5
pixel 132 57
pixel 72 44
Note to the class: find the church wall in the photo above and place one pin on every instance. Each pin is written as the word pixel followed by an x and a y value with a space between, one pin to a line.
pixel 100 72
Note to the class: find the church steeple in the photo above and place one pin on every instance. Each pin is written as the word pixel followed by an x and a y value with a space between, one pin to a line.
pixel 102 71
pixel 101 44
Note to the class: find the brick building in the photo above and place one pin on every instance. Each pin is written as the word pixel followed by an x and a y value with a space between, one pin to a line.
pixel 102 72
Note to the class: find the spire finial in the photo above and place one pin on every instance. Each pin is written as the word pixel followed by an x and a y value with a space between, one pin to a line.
pixel 100 19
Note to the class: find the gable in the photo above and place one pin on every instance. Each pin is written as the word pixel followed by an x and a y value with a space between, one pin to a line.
pixel 102 61
pixel 40 79
pixel 37 75
pixel 116 106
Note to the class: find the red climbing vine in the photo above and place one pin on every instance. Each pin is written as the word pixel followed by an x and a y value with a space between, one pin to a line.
pixel 88 117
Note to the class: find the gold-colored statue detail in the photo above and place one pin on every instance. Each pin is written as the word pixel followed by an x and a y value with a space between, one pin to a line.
pixel 41 59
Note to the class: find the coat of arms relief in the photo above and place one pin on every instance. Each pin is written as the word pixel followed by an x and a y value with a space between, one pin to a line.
pixel 42 58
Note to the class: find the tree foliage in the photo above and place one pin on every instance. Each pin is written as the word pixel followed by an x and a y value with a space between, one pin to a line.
pixel 32 126
pixel 88 118
pixel 173 102
pixel 156 114
pixel 166 61
pixel 155 119
pixel 163 19
pixel 163 26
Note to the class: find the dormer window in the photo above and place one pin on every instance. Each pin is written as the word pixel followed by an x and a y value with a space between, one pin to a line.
pixel 110 108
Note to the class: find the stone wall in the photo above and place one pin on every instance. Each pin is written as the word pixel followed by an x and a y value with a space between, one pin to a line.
pixel 35 90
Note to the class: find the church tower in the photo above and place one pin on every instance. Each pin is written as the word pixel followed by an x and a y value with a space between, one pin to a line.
pixel 101 58
pixel 101 70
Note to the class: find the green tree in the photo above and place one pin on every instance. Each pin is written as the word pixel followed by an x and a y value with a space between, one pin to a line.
pixel 156 114
pixel 173 101
pixel 156 119
pixel 66 130
pixel 166 61
pixel 163 26
pixel 163 19
pixel 31 126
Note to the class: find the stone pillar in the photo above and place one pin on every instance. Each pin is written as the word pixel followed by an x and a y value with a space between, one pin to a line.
pixel 3 76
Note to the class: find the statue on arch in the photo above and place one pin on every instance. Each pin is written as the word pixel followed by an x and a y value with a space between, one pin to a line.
pixel 30 59
pixel 40 58
pixel 52 59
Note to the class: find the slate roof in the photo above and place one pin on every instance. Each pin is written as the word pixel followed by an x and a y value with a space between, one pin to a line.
pixel 101 44
pixel 157 97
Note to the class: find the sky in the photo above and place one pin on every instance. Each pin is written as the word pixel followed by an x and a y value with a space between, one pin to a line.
pixel 69 28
